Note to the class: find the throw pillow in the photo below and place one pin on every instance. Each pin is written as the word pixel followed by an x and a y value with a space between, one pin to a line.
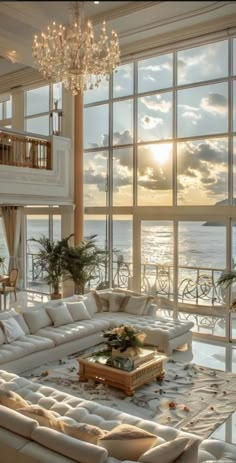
pixel 60 315
pixel 126 442
pixel 7 314
pixel 12 400
pixel 149 302
pixel 11 330
pixel 43 416
pixel 78 311
pixel 134 304
pixel 73 449
pixel 17 423
pixel 165 453
pixel 20 319
pixel 83 431
pixel 115 301
pixel 36 319
pixel 190 452
pixel 90 304
pixel 102 301
pixel 2 336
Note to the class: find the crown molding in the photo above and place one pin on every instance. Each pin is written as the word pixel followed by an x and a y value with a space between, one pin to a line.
pixel 172 19
pixel 224 27
pixel 122 11
pixel 22 78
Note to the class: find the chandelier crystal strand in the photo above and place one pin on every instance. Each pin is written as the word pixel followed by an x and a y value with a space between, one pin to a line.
pixel 71 55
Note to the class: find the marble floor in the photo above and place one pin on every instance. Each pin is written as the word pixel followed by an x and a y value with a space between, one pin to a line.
pixel 221 356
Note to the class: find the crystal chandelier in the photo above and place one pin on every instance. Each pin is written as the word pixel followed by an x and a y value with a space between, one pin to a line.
pixel 71 55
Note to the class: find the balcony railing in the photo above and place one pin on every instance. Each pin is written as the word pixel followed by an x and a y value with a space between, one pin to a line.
pixel 197 285
pixel 23 150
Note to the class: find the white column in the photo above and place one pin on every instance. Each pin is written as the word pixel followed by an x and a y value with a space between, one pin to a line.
pixel 18 109
pixel 67 227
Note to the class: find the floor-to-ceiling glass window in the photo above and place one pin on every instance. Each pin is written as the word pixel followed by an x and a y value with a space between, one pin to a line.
pixel 37 225
pixel 43 109
pixel 162 154
pixel 4 255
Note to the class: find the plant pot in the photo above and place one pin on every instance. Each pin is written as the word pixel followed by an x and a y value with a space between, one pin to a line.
pixel 55 296
pixel 128 353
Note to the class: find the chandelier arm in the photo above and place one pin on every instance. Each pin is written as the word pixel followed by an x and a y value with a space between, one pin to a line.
pixel 72 55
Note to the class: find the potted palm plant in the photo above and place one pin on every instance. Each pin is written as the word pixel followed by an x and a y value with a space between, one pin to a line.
pixel 227 279
pixel 49 262
pixel 79 261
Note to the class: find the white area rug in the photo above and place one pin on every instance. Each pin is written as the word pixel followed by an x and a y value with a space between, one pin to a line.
pixel 192 398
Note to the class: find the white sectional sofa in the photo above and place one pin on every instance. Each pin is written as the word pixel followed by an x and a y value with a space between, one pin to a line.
pixel 58 328
pixel 49 332
pixel 23 440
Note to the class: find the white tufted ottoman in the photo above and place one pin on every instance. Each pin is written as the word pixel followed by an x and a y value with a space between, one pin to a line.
pixel 168 335
pixel 164 334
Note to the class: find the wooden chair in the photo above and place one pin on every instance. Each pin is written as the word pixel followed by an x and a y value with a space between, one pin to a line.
pixel 10 286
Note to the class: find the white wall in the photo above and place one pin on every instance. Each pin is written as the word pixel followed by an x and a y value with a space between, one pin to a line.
pixel 26 186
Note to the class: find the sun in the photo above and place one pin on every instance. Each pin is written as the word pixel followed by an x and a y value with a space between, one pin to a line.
pixel 161 153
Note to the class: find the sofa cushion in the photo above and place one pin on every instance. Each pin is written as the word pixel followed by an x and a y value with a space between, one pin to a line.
pixel 11 329
pixel 78 311
pixel 36 319
pixel 165 453
pixel 60 315
pixel 22 347
pixel 15 422
pixel 127 442
pixel 68 446
pixel 41 415
pixel 75 330
pixel 90 304
pixel 12 400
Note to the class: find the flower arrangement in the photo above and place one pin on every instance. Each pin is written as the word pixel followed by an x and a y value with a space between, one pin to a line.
pixel 123 337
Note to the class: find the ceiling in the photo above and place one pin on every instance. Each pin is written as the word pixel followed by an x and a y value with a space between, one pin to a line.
pixel 140 25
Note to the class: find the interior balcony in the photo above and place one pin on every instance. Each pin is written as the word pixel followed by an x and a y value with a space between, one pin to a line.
pixel 34 169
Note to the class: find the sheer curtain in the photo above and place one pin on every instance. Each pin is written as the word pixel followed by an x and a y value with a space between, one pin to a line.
pixel 11 216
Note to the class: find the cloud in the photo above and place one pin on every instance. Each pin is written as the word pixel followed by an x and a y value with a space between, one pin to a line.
pixel 151 175
pixel 124 138
pixel 201 157
pixel 93 178
pixel 149 122
pixel 161 104
pixel 192 115
pixel 155 67
pixel 205 161
pixel 214 103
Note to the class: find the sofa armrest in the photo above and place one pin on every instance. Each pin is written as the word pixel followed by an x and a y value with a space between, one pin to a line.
pixel 152 311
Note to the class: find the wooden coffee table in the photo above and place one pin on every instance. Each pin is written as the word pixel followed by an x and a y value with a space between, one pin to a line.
pixel 128 381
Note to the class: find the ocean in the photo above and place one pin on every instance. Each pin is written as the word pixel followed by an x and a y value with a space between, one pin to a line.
pixel 198 245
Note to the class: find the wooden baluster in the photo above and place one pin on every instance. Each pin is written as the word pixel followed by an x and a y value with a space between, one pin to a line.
pixel 49 155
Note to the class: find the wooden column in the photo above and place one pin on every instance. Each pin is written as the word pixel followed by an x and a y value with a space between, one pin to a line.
pixel 78 169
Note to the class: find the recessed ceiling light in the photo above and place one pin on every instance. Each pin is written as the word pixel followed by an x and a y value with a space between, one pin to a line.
pixel 13 51
pixel 96 3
